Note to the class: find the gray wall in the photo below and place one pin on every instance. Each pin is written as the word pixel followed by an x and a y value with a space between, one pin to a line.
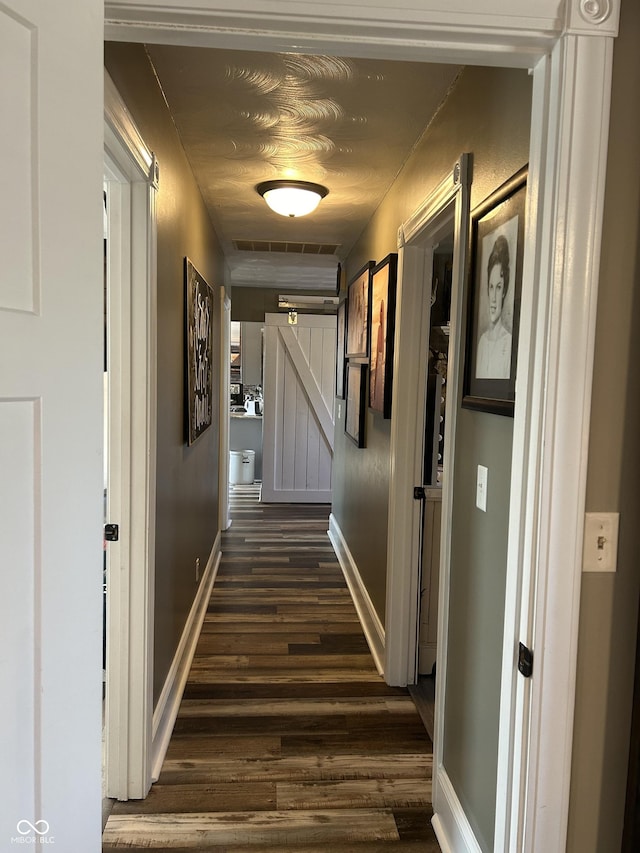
pixel 487 113
pixel 609 603
pixel 473 119
pixel 476 616
pixel 252 303
pixel 251 348
pixel 187 477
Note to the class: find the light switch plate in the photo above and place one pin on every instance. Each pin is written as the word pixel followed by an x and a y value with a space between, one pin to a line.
pixel 600 542
pixel 481 488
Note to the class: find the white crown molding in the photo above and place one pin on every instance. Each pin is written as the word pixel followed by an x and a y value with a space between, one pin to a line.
pixel 467 29
pixel 376 28
pixel 466 16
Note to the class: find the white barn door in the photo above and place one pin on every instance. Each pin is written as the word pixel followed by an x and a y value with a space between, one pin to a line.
pixel 299 395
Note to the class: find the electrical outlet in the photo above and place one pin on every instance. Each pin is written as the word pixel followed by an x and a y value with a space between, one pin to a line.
pixel 197 569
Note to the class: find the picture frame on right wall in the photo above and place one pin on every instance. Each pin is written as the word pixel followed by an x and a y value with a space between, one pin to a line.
pixel 340 345
pixel 493 299
pixel 358 293
pixel 383 315
pixel 356 402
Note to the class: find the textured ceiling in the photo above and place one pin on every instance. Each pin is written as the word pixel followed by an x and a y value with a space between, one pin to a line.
pixel 247 117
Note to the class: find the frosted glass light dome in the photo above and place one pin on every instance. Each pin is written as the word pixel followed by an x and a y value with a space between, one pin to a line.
pixel 292 198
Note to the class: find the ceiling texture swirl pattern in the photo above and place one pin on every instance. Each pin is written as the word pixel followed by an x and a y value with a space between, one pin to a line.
pixel 248 117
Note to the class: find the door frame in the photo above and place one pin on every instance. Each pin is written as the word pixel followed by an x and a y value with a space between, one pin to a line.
pixel 224 517
pixel 446 206
pixel 570 56
pixel 131 173
pixel 445 210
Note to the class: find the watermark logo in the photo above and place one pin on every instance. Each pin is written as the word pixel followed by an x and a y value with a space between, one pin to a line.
pixel 33 833
pixel 40 827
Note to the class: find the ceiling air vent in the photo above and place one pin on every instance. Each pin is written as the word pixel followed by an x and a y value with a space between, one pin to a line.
pixel 284 247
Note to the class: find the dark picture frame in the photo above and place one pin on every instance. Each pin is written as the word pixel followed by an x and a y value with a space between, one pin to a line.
pixel 358 293
pixel 199 316
pixel 341 318
pixel 493 300
pixel 383 316
pixel 356 402
pixel 339 273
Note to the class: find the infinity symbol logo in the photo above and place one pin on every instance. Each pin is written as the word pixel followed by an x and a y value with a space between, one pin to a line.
pixel 41 827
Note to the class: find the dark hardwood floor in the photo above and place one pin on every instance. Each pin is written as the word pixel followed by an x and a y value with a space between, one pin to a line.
pixel 287 738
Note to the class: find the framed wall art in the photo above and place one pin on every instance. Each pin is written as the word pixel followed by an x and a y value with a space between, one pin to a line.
pixel 339 277
pixel 358 313
pixel 383 313
pixel 356 402
pixel 340 345
pixel 494 292
pixel 199 315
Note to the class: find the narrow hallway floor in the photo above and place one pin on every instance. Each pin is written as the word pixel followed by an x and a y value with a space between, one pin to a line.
pixel 287 738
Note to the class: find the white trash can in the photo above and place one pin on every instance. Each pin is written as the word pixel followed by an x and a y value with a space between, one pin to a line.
pixel 242 467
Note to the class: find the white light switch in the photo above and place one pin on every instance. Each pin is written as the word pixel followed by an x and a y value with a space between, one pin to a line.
pixel 481 488
pixel 600 541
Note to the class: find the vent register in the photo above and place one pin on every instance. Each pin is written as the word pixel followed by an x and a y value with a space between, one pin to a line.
pixel 281 247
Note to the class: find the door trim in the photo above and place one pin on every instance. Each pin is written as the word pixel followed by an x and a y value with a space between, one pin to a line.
pixel 570 54
pixel 572 96
pixel 445 209
pixel 132 173
pixel 224 517
pixel 448 203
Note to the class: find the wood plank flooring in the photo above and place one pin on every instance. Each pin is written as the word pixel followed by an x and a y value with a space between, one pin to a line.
pixel 287 740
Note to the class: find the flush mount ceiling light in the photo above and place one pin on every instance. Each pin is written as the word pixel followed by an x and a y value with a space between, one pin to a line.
pixel 292 198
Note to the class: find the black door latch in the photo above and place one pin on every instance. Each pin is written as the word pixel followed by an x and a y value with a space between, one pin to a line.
pixel 525 660
pixel 419 493
pixel 111 532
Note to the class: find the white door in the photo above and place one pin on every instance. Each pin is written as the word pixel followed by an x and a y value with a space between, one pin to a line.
pixel 51 390
pixel 299 394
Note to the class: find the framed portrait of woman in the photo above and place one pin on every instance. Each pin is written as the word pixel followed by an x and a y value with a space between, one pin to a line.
pixel 494 294
pixel 358 313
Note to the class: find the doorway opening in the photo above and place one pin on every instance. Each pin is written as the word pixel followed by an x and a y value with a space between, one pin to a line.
pixel 565 59
pixel 246 404
pixel 423 690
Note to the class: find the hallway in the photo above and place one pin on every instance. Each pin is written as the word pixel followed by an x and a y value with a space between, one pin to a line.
pixel 287 739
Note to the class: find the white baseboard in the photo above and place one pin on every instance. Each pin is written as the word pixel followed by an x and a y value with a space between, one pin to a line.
pixel 295 496
pixel 371 624
pixel 166 710
pixel 449 821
